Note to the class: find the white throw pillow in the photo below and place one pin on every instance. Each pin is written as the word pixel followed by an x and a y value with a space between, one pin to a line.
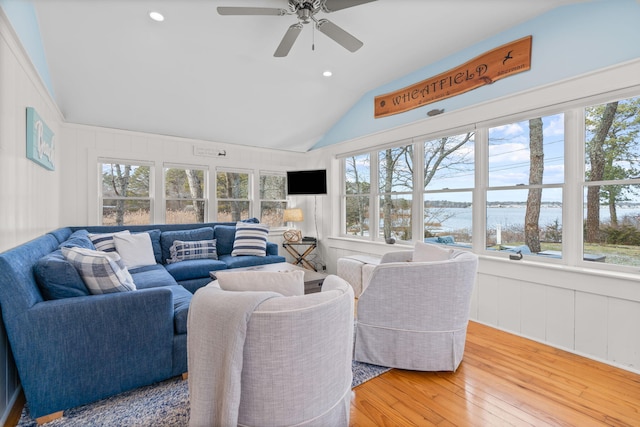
pixel 104 241
pixel 135 249
pixel 428 252
pixel 102 272
pixel 287 283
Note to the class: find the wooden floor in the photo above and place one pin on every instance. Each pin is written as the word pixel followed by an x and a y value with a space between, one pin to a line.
pixel 504 380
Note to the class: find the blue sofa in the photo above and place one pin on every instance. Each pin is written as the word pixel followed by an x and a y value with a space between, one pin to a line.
pixel 72 347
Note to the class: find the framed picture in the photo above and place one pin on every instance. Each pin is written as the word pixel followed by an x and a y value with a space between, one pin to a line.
pixel 40 140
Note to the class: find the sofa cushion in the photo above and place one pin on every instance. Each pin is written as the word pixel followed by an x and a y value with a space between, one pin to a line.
pixel 251 239
pixel 249 260
pixel 194 268
pixel 224 236
pixel 104 241
pixel 181 301
pixel 155 243
pixel 102 272
pixel 200 249
pixel 152 276
pixel 168 237
pixel 57 278
pixel 287 283
pixel 135 249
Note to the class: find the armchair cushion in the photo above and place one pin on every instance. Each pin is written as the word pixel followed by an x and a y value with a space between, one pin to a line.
pixel 287 283
pixel 425 252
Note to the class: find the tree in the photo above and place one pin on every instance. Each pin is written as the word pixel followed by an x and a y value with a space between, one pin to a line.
pixel 118 177
pixel 357 183
pixel 596 157
pixel 395 173
pixel 534 197
pixel 194 178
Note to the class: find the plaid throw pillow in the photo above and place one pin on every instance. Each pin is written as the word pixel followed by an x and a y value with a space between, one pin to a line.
pixel 251 239
pixel 200 249
pixel 102 272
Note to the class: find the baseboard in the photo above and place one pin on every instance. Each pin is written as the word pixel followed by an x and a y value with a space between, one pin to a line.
pixel 14 409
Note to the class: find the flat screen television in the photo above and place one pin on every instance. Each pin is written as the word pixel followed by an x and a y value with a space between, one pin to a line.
pixel 307 182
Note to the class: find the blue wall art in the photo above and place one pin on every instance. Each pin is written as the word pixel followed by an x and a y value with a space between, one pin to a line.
pixel 40 140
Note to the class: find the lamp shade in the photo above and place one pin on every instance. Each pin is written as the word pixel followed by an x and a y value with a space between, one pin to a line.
pixel 293 215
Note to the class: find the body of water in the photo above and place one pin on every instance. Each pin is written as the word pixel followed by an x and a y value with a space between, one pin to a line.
pixel 461 218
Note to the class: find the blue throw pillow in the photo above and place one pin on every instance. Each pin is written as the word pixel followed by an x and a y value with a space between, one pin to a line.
pixel 446 240
pixel 224 235
pixel 168 237
pixel 57 278
pixel 79 239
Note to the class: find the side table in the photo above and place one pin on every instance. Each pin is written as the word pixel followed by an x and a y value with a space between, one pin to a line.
pixel 301 258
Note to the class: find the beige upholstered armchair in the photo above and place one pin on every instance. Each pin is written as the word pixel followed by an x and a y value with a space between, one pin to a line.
pixel 414 314
pixel 258 358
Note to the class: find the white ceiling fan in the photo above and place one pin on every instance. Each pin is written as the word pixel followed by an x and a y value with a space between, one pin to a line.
pixel 306 11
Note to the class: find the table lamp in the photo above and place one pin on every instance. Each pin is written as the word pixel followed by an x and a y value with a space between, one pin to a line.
pixel 293 215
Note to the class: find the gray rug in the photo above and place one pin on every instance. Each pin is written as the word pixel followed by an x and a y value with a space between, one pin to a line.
pixel 165 404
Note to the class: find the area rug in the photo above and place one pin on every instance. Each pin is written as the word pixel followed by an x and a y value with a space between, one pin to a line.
pixel 165 404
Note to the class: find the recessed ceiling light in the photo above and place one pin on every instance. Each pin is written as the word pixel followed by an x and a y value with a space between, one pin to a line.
pixel 327 73
pixel 156 16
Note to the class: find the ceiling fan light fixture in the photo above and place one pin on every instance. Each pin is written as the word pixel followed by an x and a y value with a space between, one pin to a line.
pixel 156 16
pixel 327 73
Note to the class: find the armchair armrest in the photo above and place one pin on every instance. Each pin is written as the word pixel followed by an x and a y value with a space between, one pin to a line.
pixel 76 350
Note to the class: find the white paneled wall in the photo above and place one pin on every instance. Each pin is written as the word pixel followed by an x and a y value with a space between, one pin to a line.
pixel 86 144
pixel 29 194
pixel 586 312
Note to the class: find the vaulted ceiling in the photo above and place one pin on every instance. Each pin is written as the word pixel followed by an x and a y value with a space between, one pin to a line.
pixel 205 76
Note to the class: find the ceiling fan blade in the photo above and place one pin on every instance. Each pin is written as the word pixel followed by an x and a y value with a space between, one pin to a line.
pixel 251 11
pixel 334 5
pixel 339 35
pixel 287 41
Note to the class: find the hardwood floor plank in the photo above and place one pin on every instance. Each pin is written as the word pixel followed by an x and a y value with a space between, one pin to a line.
pixel 503 380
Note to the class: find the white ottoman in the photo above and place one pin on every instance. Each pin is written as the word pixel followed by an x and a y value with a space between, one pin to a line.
pixel 356 270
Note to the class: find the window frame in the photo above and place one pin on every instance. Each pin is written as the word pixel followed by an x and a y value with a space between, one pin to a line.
pixel 572 187
pixel 205 189
pixel 101 161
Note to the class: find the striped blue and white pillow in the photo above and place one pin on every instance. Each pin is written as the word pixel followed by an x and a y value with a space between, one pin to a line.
pixel 102 272
pixel 251 239
pixel 200 249
pixel 104 241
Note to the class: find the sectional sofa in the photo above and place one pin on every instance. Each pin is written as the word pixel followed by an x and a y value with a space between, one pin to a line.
pixel 72 346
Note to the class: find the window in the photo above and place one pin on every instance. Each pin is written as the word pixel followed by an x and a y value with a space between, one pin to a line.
pixel 357 189
pixel 612 183
pixel 273 198
pixel 232 192
pixel 448 184
pixel 512 178
pixel 125 197
pixel 184 191
pixel 526 176
pixel 395 191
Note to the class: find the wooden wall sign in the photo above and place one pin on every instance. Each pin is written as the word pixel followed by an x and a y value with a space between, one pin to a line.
pixel 496 64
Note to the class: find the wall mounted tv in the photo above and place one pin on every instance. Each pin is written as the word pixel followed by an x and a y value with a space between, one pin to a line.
pixel 307 182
